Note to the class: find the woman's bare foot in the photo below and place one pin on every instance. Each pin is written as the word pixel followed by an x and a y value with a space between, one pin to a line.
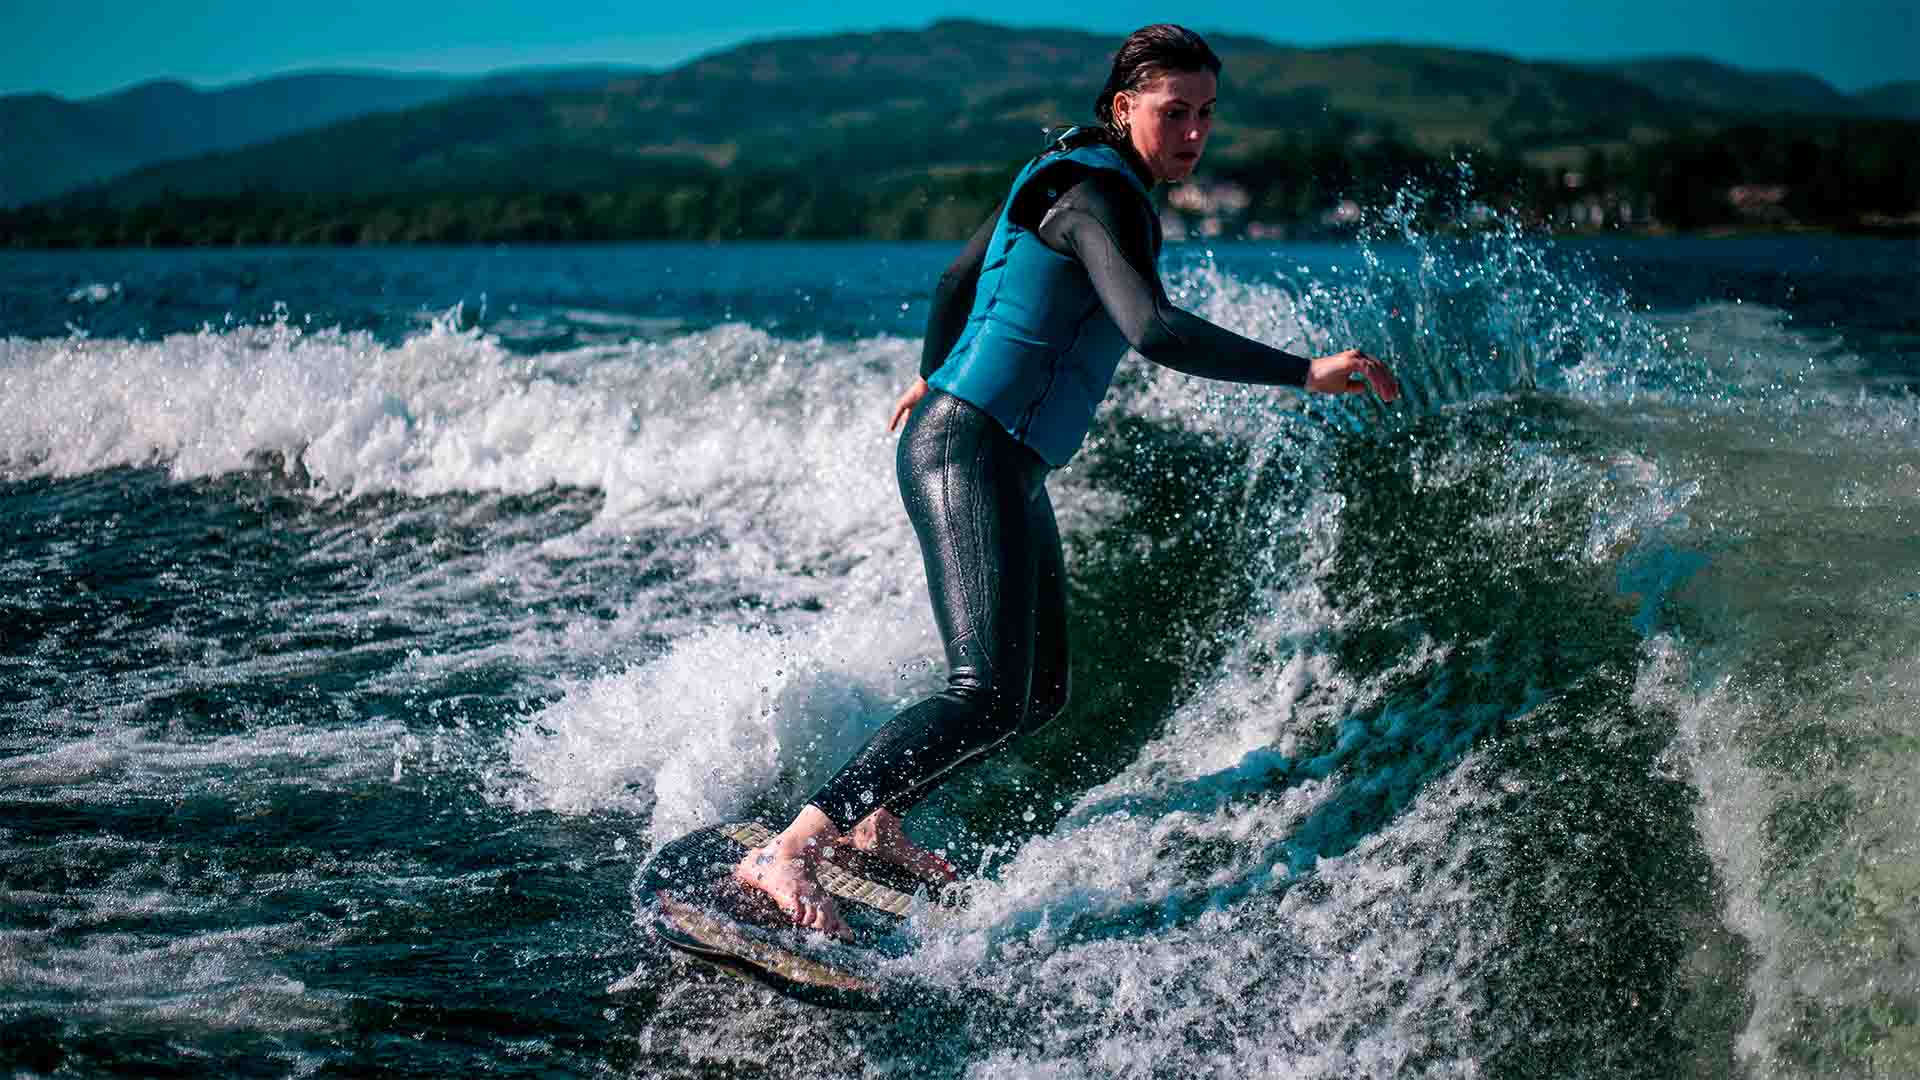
pixel 879 833
pixel 787 869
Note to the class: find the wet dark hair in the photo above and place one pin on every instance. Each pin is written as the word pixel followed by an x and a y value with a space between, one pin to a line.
pixel 1147 54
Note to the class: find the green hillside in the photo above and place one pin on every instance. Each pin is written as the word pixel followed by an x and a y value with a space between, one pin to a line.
pixel 912 133
pixel 875 106
pixel 1697 82
pixel 1893 99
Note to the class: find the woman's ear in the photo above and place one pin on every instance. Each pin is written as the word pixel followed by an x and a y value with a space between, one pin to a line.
pixel 1122 104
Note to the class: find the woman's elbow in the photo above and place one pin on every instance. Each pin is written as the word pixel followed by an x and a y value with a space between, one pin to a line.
pixel 1152 339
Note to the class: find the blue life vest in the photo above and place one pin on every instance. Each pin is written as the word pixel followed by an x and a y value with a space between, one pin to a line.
pixel 1038 351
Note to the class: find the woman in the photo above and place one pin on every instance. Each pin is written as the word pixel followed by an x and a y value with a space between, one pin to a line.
pixel 1026 330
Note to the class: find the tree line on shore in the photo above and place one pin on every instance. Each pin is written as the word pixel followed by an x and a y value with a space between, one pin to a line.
pixel 1835 174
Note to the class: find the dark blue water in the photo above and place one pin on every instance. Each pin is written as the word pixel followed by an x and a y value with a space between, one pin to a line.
pixel 367 616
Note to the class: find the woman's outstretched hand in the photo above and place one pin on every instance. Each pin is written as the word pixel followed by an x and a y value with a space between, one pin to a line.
pixel 1352 372
pixel 906 403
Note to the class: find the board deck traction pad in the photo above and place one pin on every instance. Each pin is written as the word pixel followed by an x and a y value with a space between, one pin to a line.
pixel 846 886
pixel 699 910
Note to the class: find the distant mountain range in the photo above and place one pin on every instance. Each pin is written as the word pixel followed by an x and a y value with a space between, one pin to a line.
pixel 1700 83
pixel 957 95
pixel 49 145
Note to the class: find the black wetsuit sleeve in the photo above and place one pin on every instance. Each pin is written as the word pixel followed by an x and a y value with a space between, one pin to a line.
pixel 1107 226
pixel 953 298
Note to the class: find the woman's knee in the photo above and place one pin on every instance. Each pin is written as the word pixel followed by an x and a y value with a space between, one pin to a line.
pixel 998 709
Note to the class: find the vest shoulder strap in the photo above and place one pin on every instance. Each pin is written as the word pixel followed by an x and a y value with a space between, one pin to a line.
pixel 1042 181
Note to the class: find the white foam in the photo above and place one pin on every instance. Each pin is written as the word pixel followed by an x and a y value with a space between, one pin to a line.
pixel 726 716
pixel 1795 721
pixel 749 471
pixel 117 758
pixel 1823 903
pixel 219 980
pixel 98 292
pixel 1359 975
pixel 673 425
pixel 1758 347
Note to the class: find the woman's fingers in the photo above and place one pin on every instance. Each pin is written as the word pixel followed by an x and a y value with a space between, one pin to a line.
pixel 1352 372
pixel 1376 375
pixel 905 403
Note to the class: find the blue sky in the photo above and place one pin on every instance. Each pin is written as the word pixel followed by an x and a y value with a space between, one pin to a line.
pixel 77 50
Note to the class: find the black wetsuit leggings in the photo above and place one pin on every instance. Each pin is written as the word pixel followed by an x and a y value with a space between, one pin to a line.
pixel 978 502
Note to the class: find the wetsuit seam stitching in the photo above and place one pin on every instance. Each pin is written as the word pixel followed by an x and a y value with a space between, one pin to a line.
pixel 947 513
pixel 989 598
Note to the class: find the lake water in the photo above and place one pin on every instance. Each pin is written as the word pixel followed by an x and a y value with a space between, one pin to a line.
pixel 366 617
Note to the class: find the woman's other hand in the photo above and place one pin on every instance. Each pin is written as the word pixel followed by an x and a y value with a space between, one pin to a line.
pixel 1351 372
pixel 906 403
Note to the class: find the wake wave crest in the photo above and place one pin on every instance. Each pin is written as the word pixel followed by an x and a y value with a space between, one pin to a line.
pixel 447 410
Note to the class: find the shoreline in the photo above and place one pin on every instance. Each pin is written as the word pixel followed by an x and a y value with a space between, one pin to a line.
pixel 1896 230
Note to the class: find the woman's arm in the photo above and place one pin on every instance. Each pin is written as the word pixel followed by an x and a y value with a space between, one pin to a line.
pixel 1102 223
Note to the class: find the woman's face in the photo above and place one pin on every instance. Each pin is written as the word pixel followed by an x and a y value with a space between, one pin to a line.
pixel 1168 121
